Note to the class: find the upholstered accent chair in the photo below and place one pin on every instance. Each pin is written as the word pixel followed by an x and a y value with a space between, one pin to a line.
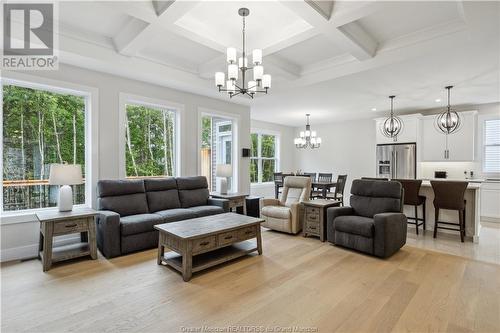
pixel 286 214
pixel 374 223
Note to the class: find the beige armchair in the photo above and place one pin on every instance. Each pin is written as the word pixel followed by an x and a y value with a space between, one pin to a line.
pixel 286 214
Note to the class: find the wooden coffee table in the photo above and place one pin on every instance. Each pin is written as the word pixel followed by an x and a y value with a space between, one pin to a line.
pixel 203 242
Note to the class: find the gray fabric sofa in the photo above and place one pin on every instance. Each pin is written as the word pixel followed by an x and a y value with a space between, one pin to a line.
pixel 374 223
pixel 128 210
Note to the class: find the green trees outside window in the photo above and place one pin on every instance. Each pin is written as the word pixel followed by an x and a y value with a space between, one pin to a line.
pixel 150 141
pixel 263 158
pixel 40 127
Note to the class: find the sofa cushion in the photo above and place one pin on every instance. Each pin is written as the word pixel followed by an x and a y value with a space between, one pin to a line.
pixel 370 197
pixel 357 225
pixel 206 210
pixel 176 214
pixel 136 224
pixel 162 194
pixel 279 212
pixel 106 188
pixel 193 191
pixel 129 204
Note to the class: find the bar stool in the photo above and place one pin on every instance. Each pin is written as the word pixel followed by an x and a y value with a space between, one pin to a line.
pixel 411 189
pixel 450 195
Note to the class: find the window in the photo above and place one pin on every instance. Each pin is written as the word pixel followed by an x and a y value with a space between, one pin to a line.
pixel 491 152
pixel 263 158
pixel 150 147
pixel 41 126
pixel 216 147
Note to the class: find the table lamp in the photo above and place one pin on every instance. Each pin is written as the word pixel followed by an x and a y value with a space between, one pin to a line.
pixel 65 175
pixel 223 172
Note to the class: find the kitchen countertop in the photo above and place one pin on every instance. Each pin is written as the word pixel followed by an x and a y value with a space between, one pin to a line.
pixel 471 186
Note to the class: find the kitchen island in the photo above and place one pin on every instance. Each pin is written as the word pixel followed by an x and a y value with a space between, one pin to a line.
pixel 472 211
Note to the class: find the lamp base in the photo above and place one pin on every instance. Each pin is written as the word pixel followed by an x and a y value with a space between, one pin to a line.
pixel 222 185
pixel 65 201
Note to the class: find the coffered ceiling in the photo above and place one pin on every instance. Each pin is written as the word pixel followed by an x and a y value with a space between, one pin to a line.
pixel 374 48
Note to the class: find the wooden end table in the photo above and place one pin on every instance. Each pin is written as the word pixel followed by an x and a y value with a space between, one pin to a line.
pixel 315 217
pixel 203 242
pixel 55 223
pixel 235 200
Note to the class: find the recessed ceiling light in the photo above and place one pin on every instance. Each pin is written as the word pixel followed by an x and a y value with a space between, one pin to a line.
pixel 438 100
pixel 374 109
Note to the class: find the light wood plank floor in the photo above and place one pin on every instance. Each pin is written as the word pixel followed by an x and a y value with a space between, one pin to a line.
pixel 297 282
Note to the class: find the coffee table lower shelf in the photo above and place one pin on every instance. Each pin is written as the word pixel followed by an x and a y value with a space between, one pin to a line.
pixel 212 258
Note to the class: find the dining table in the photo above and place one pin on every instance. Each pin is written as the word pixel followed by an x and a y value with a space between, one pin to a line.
pixel 324 186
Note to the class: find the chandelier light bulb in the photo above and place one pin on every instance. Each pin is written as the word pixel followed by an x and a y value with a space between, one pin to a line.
pixel 302 134
pixel 232 72
pixel 318 141
pixel 313 134
pixel 219 79
pixel 266 81
pixel 231 55
pixel 258 71
pixel 257 56
pixel 242 64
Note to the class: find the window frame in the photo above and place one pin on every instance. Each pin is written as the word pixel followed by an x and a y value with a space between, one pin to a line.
pixel 177 108
pixel 482 150
pixel 91 97
pixel 260 159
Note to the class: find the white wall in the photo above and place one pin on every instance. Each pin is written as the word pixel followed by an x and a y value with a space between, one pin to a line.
pixel 20 239
pixel 286 148
pixel 347 148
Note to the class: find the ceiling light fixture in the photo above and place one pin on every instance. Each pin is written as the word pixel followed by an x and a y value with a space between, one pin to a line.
pixel 261 82
pixel 448 121
pixel 307 138
pixel 438 100
pixel 393 125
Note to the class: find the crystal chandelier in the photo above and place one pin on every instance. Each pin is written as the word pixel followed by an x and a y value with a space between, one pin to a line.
pixel 449 121
pixel 261 82
pixel 307 138
pixel 393 125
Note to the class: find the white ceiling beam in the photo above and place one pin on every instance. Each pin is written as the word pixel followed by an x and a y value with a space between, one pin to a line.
pixel 283 44
pixel 349 36
pixel 144 27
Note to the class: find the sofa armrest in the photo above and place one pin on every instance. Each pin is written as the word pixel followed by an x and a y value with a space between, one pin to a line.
pixel 297 219
pixel 269 202
pixel 331 214
pixel 108 233
pixel 223 203
pixel 390 233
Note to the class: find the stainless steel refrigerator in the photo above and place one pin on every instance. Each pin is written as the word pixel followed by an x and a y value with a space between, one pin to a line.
pixel 397 161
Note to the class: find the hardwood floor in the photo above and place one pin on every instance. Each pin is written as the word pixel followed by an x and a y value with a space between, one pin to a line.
pixel 297 282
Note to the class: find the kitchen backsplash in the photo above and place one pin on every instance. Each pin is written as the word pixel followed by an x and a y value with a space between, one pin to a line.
pixel 455 170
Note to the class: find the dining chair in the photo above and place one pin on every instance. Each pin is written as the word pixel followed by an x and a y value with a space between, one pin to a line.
pixel 338 193
pixel 278 183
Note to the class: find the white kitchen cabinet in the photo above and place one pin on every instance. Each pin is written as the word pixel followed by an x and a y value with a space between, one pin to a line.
pixel 490 201
pixel 460 144
pixel 409 133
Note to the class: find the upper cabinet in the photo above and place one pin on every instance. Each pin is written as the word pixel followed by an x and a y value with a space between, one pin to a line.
pixel 460 144
pixel 409 133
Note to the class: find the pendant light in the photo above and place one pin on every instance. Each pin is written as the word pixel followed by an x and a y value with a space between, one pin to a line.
pixel 393 125
pixel 448 121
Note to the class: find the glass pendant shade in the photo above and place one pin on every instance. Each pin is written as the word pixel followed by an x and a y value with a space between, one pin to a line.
pixel 266 81
pixel 393 125
pixel 252 86
pixel 219 79
pixel 449 121
pixel 230 86
pixel 257 56
pixel 258 71
pixel 231 55
pixel 232 72
pixel 242 64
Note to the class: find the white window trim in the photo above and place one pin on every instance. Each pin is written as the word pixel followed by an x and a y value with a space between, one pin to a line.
pixel 126 98
pixel 91 95
pixel 481 120
pixel 236 123
pixel 277 153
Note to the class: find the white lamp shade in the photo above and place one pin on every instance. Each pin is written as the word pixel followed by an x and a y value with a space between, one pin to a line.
pixel 219 79
pixel 266 81
pixel 252 86
pixel 308 133
pixel 231 88
pixel 302 134
pixel 231 55
pixel 65 174
pixel 313 141
pixel 224 170
pixel 241 64
pixel 318 141
pixel 232 72
pixel 313 134
pixel 257 56
pixel 258 71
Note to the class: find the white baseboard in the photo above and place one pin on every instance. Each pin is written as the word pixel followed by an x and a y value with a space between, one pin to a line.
pixel 31 251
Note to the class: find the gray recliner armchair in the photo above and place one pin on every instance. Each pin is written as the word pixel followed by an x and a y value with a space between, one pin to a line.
pixel 374 223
